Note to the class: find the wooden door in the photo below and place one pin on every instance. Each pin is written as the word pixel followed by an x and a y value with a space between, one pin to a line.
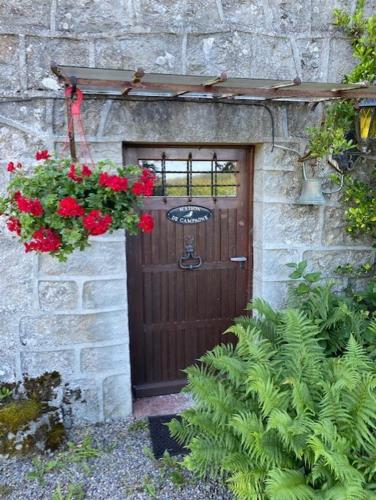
pixel 177 314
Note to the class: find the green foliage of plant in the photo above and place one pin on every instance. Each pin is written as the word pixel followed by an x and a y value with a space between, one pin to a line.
pixel 43 467
pixel 77 453
pixel 360 197
pixel 337 315
pixel 280 417
pixel 74 492
pixel 5 393
pixel 330 137
pixel 137 425
pixel 362 32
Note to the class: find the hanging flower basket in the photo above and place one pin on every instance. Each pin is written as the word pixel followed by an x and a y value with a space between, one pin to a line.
pixel 55 209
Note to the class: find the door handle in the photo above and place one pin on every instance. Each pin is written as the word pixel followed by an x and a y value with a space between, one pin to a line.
pixel 241 259
pixel 189 260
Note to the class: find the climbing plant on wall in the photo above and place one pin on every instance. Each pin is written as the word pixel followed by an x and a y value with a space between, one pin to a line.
pixel 333 137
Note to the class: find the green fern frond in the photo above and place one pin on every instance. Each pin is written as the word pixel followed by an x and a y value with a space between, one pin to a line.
pixel 287 485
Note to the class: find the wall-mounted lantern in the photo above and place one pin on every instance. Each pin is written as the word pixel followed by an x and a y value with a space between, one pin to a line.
pixel 365 126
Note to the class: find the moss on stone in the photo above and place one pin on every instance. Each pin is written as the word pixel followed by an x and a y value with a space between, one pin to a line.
pixel 55 437
pixel 16 415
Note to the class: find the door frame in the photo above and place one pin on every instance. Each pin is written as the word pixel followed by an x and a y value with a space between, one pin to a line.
pixel 249 150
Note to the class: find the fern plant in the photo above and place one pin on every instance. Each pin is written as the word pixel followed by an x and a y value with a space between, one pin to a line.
pixel 280 419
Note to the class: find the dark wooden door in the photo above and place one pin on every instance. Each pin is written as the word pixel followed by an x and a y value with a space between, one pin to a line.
pixel 177 314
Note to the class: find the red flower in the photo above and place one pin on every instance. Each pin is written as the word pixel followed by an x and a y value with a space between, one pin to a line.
pixel 146 223
pixel 145 185
pixel 42 155
pixel 11 167
pixel 114 182
pixel 44 240
pixel 14 225
pixel 72 174
pixel 96 223
pixel 28 205
pixel 85 172
pixel 68 207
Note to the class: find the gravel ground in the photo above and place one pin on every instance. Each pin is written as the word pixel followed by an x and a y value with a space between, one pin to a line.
pixel 123 469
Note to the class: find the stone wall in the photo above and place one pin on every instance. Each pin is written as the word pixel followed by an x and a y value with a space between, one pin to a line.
pixel 73 317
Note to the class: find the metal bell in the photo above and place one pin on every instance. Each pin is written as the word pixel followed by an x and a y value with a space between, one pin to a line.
pixel 311 193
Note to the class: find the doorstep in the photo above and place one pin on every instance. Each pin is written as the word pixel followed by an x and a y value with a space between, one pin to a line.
pixel 161 405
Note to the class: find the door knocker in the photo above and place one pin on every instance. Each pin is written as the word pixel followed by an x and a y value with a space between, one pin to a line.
pixel 189 260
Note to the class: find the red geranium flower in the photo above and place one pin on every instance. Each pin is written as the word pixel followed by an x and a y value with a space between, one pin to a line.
pixel 145 185
pixel 11 167
pixel 96 223
pixel 114 182
pixel 68 207
pixel 44 240
pixel 146 223
pixel 14 225
pixel 85 172
pixel 28 205
pixel 42 155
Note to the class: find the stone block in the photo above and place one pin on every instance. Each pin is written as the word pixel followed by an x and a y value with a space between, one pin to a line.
pixel 85 407
pixel 255 15
pixel 21 16
pixel 117 396
pixel 28 113
pixel 105 293
pixel 159 53
pixel 93 16
pixel 9 67
pixel 341 60
pixel 106 358
pixel 17 145
pixel 57 295
pixel 36 363
pixel 279 224
pixel 193 15
pixel 97 151
pixel 240 54
pixel 41 51
pixel 276 185
pixel 312 55
pixel 101 258
pixel 300 117
pixel 91 111
pixel 270 265
pixel 289 16
pixel 335 229
pixel 69 329
pixel 16 271
pixel 276 293
pixel 326 261
pixel 277 159
pixel 189 122
pixel 7 366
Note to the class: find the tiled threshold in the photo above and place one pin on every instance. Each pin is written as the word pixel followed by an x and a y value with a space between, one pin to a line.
pixel 161 405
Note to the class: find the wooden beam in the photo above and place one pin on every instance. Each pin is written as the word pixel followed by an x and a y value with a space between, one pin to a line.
pixel 359 85
pixel 294 91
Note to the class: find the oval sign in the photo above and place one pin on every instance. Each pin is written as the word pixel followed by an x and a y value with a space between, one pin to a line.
pixel 189 214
